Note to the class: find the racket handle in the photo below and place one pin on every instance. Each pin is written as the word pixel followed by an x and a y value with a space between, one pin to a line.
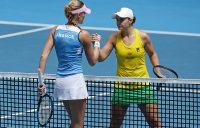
pixel 40 77
pixel 41 90
pixel 159 86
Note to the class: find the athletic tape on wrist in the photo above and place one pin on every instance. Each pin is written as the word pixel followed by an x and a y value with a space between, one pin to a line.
pixel 97 44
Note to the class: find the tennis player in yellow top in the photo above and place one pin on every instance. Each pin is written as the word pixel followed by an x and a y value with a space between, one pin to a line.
pixel 130 46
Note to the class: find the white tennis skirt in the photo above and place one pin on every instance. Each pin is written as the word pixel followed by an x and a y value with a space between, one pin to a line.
pixel 71 87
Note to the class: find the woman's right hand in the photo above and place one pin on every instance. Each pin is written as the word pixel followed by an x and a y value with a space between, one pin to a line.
pixel 96 38
pixel 41 89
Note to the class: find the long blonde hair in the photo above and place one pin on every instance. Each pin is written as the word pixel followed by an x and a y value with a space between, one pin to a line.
pixel 72 5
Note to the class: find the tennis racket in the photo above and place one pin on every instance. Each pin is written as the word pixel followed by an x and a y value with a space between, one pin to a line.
pixel 164 72
pixel 45 105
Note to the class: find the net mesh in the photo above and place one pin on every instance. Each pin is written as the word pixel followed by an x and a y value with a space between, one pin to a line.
pixel 178 102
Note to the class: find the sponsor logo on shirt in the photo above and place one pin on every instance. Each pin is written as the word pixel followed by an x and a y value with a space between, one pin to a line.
pixel 138 49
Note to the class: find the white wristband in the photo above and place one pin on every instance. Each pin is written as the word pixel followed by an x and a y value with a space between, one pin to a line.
pixel 97 44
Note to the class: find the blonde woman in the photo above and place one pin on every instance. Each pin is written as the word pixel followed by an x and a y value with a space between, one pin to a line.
pixel 69 41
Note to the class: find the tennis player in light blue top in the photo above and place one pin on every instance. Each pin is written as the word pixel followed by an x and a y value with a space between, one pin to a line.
pixel 69 50
pixel 69 41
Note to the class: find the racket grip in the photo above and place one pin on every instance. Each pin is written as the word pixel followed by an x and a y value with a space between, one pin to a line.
pixel 40 77
pixel 41 90
pixel 159 86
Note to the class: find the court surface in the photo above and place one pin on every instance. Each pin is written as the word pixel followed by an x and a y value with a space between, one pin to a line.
pixel 21 46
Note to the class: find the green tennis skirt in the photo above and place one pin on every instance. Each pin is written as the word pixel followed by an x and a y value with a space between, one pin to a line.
pixel 138 96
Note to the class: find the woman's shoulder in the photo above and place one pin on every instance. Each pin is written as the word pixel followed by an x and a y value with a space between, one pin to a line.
pixel 84 32
pixel 53 29
pixel 114 35
pixel 143 34
pixel 84 36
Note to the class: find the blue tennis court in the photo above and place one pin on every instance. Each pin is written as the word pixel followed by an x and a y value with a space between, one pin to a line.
pixel 21 53
pixel 172 26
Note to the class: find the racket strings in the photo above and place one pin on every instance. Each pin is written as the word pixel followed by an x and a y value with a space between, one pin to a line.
pixel 164 73
pixel 45 110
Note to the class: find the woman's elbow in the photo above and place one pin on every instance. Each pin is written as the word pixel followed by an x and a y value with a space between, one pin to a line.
pixel 100 59
pixel 43 58
pixel 92 62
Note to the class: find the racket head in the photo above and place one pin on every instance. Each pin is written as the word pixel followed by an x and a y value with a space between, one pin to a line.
pixel 44 110
pixel 164 72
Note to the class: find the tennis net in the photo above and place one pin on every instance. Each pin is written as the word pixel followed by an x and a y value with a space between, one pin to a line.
pixel 178 101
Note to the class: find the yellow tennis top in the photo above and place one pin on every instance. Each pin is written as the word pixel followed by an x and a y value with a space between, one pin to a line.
pixel 131 59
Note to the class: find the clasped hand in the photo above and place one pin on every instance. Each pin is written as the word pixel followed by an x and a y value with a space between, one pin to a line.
pixel 41 89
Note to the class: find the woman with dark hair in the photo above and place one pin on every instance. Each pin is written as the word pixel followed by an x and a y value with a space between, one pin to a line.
pixel 130 46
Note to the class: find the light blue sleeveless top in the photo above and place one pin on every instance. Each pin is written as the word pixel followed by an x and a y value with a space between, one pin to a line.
pixel 68 49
